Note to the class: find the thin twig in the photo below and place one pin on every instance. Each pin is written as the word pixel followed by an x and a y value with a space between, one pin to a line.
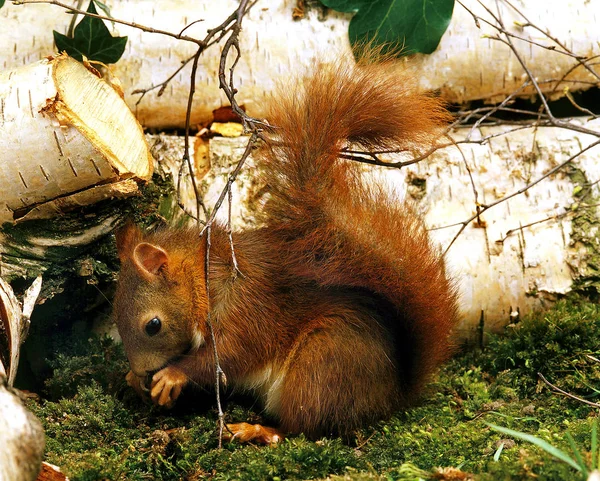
pixel 473 187
pixel 163 85
pixel 565 393
pixel 581 61
pixel 71 9
pixel 236 269
pixel 231 180
pixel 579 107
pixel 372 159
pixel 552 171
pixel 531 224
pixel 186 140
pixel 218 371
pixel 563 50
pixel 233 26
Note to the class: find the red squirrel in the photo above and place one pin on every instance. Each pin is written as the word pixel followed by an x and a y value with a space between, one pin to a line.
pixel 343 307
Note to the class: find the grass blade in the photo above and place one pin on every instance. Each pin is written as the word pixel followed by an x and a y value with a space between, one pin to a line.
pixel 498 452
pixel 540 443
pixel 577 454
pixel 595 444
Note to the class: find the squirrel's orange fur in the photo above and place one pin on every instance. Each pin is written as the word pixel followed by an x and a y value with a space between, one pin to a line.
pixel 343 308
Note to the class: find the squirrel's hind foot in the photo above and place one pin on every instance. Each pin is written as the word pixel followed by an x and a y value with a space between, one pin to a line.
pixel 245 433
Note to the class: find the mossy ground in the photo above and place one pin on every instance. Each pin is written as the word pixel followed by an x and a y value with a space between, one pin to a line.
pixel 96 429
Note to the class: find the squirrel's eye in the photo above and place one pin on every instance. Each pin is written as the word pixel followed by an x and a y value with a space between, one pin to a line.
pixel 153 326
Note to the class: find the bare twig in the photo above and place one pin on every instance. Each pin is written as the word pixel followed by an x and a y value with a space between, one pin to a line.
pixel 162 85
pixel 236 269
pixel 475 193
pixel 231 180
pixel 373 159
pixel 71 9
pixel 233 26
pixel 563 50
pixel 531 224
pixel 552 171
pixel 565 393
pixel 219 374
pixel 577 106
pixel 186 151
pixel 581 61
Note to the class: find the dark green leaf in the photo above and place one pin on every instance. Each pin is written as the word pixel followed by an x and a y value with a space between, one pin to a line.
pixel 102 6
pixel 1 3
pixel 406 26
pixel 91 39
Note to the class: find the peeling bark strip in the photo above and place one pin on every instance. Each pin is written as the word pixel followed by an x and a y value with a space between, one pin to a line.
pixel 14 325
pixel 66 131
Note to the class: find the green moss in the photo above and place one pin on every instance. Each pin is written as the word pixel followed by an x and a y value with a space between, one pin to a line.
pixel 100 430
pixel 585 231
pixel 555 344
pixel 95 360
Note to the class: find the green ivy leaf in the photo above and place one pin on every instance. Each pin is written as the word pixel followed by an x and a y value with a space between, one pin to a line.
pixel 102 6
pixel 92 39
pixel 405 26
pixel 1 3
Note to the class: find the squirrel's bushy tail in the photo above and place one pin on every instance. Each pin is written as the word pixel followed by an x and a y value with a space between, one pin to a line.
pixel 344 232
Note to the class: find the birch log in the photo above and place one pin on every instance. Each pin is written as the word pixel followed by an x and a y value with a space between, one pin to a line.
pixel 523 253
pixel 468 64
pixel 21 439
pixel 64 130
pixel 68 140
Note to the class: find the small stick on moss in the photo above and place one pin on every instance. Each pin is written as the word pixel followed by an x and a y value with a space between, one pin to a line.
pixel 565 393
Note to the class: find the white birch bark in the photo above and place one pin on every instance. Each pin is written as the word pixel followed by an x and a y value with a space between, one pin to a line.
pixel 21 438
pixel 468 64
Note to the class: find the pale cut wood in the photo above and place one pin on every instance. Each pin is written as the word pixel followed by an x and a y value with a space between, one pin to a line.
pixel 96 110
pixel 64 130
pixel 468 65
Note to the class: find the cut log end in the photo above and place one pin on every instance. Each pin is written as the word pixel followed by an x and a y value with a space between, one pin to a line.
pixel 69 132
pixel 93 107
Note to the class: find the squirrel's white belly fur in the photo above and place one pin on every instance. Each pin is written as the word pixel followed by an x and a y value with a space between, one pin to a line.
pixel 267 383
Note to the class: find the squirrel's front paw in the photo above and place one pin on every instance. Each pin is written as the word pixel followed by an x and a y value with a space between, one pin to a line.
pixel 167 385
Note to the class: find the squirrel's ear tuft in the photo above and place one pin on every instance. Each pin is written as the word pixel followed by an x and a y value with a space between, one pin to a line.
pixel 127 237
pixel 149 259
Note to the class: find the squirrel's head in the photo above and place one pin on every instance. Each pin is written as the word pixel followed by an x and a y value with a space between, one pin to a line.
pixel 158 305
